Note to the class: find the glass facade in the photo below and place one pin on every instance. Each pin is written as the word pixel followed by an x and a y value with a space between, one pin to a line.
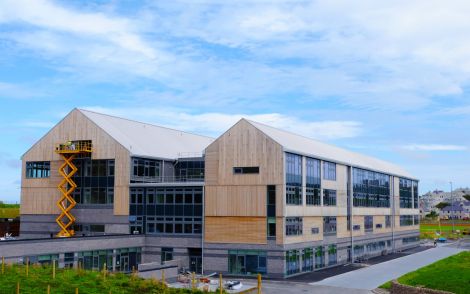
pixel 329 171
pixel 406 220
pixel 332 255
pixel 313 184
pixel 166 210
pixel 415 195
pixel 95 181
pixel 370 189
pixel 329 197
pixel 189 170
pixel 38 169
pixel 406 199
pixel 307 260
pixel 329 225
pixel 292 262
pixel 247 262
pixel 368 223
pixel 144 170
pixel 319 257
pixel 294 226
pixel 271 210
pixel 293 179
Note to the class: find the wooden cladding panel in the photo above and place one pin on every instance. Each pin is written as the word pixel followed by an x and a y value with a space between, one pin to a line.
pixel 244 145
pixel 235 201
pixel 75 126
pixel 243 230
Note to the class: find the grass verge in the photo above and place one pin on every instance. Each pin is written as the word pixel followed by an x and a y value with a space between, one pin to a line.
pixel 449 274
pixel 89 282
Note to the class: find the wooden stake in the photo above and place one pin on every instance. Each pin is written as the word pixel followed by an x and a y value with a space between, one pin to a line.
pixel 76 290
pixel 17 287
pixel 163 276
pixel 220 284
pixel 48 289
pixel 193 281
pixel 27 266
pixel 3 265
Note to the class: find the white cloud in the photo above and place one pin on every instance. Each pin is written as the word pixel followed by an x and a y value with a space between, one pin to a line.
pixel 214 124
pixel 434 147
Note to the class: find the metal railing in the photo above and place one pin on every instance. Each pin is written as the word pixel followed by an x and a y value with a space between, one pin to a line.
pixel 167 179
pixel 74 147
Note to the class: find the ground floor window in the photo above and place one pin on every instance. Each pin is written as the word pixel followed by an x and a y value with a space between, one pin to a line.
pixel 307 260
pixel 96 260
pixel 292 262
pixel 167 254
pixel 128 259
pixel 247 262
pixel 319 257
pixel 332 258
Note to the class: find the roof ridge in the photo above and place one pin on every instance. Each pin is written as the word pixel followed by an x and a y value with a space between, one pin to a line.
pixel 140 122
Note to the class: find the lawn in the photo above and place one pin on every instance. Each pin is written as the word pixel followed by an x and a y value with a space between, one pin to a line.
pixel 428 230
pixel 9 210
pixel 88 282
pixel 450 274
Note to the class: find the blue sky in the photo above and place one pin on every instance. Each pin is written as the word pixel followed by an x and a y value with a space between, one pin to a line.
pixel 387 79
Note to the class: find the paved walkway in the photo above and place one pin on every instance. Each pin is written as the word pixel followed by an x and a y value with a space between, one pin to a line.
pixel 371 277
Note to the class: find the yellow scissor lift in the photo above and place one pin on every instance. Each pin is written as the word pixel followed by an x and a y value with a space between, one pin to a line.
pixel 68 151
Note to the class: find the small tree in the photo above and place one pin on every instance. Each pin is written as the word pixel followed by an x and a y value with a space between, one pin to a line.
pixel 432 214
pixel 467 196
pixel 441 205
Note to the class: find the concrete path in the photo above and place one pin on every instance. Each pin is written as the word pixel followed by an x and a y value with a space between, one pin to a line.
pixel 371 277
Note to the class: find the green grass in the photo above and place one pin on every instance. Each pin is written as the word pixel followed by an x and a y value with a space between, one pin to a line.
pixel 88 282
pixel 450 274
pixel 9 212
pixel 428 231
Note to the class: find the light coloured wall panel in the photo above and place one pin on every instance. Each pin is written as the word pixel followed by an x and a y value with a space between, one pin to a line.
pixel 75 126
pixel 243 230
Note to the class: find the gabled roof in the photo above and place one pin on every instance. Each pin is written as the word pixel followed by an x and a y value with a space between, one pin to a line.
pixel 302 145
pixel 142 139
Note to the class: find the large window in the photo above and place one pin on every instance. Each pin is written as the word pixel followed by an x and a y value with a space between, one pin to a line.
pixel 415 195
pixel 166 210
pixel 388 222
pixel 329 171
pixel 307 260
pixel 313 184
pixel 329 197
pixel 406 199
pixel 38 169
pixel 329 225
pixel 189 170
pixel 406 220
pixel 292 262
pixel 271 210
pixel 319 257
pixel 246 170
pixel 294 226
pixel 293 179
pixel 332 255
pixel 167 254
pixel 95 181
pixel 247 262
pixel 370 189
pixel 145 169
pixel 368 223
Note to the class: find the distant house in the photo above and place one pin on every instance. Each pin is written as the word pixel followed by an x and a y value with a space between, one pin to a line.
pixel 458 210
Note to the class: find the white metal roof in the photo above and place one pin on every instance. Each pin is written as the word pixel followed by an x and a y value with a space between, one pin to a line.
pixel 142 139
pixel 306 146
